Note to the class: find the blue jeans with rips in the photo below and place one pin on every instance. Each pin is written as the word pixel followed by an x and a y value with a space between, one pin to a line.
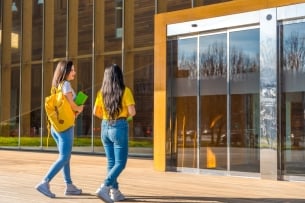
pixel 114 136
pixel 64 141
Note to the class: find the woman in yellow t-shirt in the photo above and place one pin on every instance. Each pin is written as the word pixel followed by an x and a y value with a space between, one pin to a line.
pixel 114 104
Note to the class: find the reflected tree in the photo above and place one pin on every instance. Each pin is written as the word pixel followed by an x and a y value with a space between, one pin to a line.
pixel 294 53
pixel 213 61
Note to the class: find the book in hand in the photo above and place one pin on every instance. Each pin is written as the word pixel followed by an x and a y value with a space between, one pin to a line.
pixel 80 98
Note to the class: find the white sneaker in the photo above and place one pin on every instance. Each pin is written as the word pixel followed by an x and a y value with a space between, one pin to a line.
pixel 44 188
pixel 72 190
pixel 103 193
pixel 116 195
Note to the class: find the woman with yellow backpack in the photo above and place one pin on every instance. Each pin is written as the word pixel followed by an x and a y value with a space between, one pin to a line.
pixel 64 73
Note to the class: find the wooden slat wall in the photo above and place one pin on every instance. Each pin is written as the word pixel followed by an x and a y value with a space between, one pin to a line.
pixel 143 23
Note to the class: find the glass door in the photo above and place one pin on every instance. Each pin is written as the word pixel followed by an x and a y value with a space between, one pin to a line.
pixel 215 120
pixel 237 93
pixel 213 101
pixel 184 91
pixel 244 52
pixel 229 108
pixel 292 97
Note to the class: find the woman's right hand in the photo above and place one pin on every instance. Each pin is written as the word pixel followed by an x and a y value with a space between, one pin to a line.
pixel 80 108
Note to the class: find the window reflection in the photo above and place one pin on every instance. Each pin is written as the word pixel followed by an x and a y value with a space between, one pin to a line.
pixel 184 102
pixel 118 18
pixel 213 98
pixel 292 62
pixel 60 28
pixel 244 83
pixel 187 58
pixel 213 56
pixel 210 69
pixel 85 28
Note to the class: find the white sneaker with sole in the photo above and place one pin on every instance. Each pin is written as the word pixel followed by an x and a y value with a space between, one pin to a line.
pixel 116 195
pixel 103 193
pixel 72 190
pixel 44 188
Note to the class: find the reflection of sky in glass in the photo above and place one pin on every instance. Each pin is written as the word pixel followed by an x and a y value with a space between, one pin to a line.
pixel 293 58
pixel 213 56
pixel 295 27
pixel 206 41
pixel 244 52
pixel 246 41
pixel 187 52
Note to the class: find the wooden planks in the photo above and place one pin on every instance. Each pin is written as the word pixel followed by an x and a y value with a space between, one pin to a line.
pixel 20 171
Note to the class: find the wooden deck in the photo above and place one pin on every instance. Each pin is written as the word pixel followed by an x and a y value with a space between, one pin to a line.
pixel 20 171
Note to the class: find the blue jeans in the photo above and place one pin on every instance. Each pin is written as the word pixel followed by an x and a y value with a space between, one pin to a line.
pixel 115 141
pixel 64 141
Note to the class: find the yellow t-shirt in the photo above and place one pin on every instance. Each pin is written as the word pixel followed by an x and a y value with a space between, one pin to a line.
pixel 127 100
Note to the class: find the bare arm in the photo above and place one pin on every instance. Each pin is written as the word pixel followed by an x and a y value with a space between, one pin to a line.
pixel 75 107
pixel 131 110
pixel 97 111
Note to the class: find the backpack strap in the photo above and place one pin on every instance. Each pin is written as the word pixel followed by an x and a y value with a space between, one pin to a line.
pixel 54 90
pixel 49 130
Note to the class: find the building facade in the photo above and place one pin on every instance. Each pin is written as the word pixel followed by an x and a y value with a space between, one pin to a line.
pixel 219 84
pixel 36 34
pixel 229 89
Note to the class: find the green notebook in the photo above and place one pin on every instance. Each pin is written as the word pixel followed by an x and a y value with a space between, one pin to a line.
pixel 80 98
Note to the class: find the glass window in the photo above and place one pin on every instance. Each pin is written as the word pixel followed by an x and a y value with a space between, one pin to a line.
pixel 118 18
pixel 143 93
pixel 85 28
pixel 113 39
pixel 60 28
pixel 83 129
pixel 37 30
pixel 144 23
pixel 14 77
pixel 16 31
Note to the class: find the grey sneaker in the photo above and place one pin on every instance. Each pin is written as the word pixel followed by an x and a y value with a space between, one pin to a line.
pixel 103 193
pixel 44 188
pixel 72 190
pixel 116 195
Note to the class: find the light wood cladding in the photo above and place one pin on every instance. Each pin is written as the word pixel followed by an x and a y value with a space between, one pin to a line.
pixel 26 68
pixel 85 29
pixel 73 30
pixel 6 58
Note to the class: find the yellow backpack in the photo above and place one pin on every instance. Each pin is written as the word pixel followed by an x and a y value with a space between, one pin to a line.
pixel 58 110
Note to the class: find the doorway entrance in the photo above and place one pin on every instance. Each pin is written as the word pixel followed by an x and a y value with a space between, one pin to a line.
pixel 235 94
pixel 215 117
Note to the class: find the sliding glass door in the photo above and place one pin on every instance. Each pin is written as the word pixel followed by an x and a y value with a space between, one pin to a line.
pixel 215 100
pixel 292 69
